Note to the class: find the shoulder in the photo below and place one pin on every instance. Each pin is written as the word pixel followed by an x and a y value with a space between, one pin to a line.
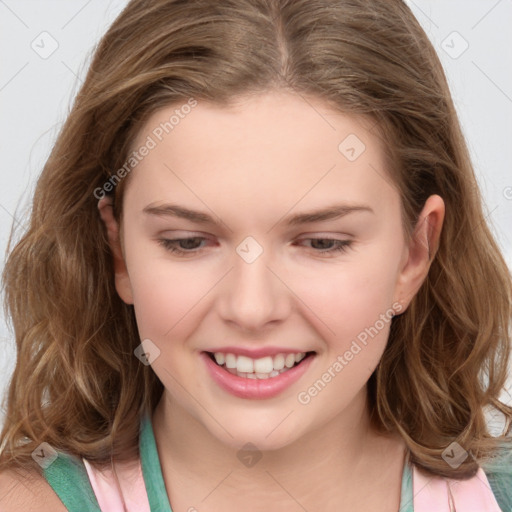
pixel 21 490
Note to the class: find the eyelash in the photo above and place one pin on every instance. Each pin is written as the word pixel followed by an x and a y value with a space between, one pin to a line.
pixel 169 245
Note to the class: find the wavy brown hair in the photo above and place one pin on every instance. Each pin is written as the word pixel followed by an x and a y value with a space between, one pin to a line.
pixel 77 384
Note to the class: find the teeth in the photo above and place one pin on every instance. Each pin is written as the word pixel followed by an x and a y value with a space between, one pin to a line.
pixel 245 364
pixel 230 361
pixel 219 357
pixel 263 368
pixel 263 365
pixel 279 362
pixel 289 360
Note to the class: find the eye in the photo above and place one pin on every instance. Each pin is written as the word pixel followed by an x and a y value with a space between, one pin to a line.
pixel 339 245
pixel 188 245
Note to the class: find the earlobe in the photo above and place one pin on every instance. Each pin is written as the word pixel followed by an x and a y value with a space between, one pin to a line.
pixel 421 250
pixel 122 279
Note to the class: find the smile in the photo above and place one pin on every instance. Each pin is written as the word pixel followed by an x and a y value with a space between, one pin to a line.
pixel 261 378
pixel 263 368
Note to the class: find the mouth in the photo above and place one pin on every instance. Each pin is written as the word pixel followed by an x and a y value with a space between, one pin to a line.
pixel 261 378
pixel 263 368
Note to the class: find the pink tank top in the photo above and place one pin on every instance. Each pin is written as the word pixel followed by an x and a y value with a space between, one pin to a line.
pixel 449 495
pixel 128 493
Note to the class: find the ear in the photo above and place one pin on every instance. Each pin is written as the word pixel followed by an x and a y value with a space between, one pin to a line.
pixel 122 279
pixel 420 252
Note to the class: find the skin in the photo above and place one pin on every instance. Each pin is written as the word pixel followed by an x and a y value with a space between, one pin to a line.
pixel 272 156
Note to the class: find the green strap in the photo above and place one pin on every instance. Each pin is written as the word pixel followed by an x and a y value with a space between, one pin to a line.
pixel 406 495
pixel 151 470
pixel 501 486
pixel 68 478
pixel 499 474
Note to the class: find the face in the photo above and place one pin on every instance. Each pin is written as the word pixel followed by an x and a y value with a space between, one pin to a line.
pixel 297 304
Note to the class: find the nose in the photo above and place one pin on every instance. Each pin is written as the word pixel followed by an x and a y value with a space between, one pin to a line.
pixel 253 295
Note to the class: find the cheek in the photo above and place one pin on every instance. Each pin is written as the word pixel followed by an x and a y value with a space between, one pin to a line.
pixel 165 294
pixel 348 301
pixel 352 313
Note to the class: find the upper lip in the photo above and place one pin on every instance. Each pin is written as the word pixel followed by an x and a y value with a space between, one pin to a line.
pixel 256 353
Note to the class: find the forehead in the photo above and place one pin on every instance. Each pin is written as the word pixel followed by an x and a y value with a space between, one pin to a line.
pixel 253 122
pixel 276 146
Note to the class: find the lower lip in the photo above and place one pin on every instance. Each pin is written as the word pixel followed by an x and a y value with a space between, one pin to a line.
pixel 255 388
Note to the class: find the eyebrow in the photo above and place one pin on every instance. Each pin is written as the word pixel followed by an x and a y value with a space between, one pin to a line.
pixel 332 212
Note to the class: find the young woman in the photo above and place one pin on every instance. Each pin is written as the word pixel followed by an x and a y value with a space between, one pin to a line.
pixel 258 275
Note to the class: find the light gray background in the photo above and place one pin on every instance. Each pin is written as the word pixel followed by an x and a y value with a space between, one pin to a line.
pixel 36 92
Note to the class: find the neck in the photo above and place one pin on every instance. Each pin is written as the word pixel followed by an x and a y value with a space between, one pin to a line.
pixel 338 459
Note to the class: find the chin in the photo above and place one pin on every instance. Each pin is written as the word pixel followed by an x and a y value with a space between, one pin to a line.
pixel 265 436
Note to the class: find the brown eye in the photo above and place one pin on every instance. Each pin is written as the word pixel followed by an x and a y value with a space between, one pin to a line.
pixel 329 245
pixel 182 245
